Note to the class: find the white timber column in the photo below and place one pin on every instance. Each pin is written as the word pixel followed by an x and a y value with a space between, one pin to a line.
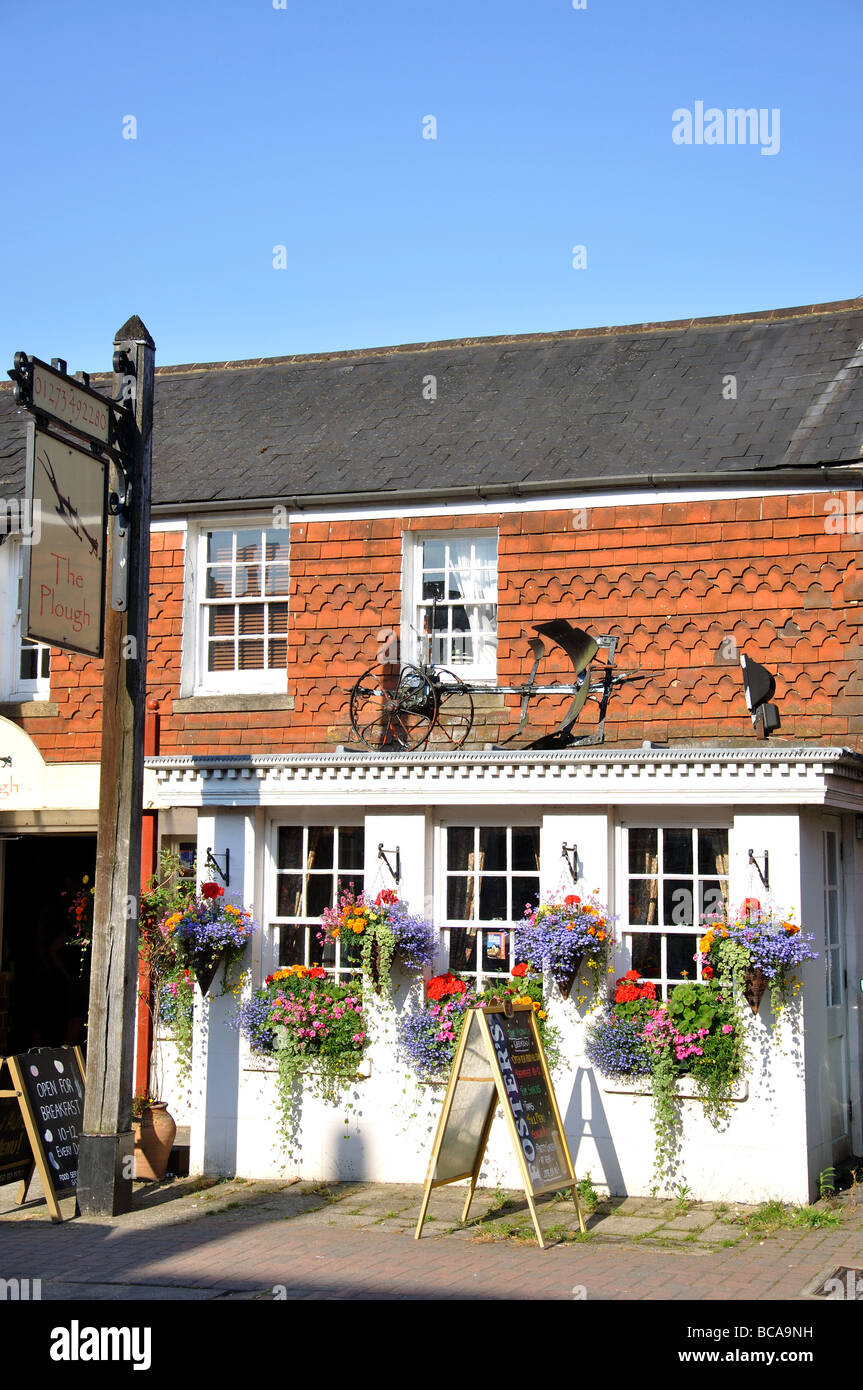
pixel 215 1058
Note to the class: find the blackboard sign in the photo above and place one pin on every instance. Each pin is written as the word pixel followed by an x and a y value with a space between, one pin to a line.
pixel 528 1092
pixel 16 1160
pixel 48 1084
pixel 500 1061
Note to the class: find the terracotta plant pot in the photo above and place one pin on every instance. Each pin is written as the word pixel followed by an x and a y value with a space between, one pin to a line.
pixel 154 1138
pixel 754 985
pixel 566 982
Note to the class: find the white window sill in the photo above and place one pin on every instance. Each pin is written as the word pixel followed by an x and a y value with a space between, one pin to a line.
pixel 684 1087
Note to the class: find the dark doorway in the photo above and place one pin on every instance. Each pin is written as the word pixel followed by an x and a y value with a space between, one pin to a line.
pixel 47 877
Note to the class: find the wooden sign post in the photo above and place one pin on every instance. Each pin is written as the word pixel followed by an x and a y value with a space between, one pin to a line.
pixel 46 1099
pixel 107 1145
pixel 66 597
pixel 500 1060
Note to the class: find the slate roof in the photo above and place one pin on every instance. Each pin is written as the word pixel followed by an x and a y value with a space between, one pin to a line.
pixel 589 406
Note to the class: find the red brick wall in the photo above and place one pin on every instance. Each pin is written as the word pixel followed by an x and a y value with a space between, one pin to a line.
pixel 672 581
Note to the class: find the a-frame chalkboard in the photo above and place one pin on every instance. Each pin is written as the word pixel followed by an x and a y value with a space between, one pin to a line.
pixel 500 1061
pixel 47 1089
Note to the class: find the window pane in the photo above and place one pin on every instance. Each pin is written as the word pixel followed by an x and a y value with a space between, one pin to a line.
pixel 290 895
pixel 677 904
pixel 681 957
pixel 524 890
pixel 220 547
pixel 434 555
pixel 462 950
pixel 291 946
pixel 319 894
pixel 220 656
pixel 251 617
pixel 492 899
pixel 218 583
pixel 495 953
pixel 492 847
pixel 643 851
pixel 525 847
pixel 290 851
pixel 249 546
pixel 642 902
pixel 351 847
pixel 714 897
pixel 459 901
pixel 647 954
pixel 677 852
pixel 250 656
pixel 278 579
pixel 459 847
pixel 320 847
pixel 713 852
pixel 277 546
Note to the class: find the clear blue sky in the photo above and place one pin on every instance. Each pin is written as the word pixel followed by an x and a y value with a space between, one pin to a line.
pixel 302 127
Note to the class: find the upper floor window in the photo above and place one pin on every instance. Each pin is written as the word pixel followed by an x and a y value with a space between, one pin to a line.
pixel 453 601
pixel 674 876
pixel 26 664
pixel 242 618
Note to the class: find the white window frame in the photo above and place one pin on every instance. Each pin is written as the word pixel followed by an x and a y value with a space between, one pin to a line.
pixel 414 647
pixel 337 820
pixel 197 679
pixel 14 686
pixel 624 929
pixel 530 819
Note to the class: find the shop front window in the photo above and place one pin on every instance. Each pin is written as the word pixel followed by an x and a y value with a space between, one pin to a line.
pixel 675 876
pixel 314 863
pixel 491 873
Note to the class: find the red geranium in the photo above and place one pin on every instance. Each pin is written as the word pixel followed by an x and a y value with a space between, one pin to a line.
pixel 386 897
pixel 707 972
pixel 520 970
pixel 212 890
pixel 572 900
pixel 629 990
pixel 442 985
pixel 317 973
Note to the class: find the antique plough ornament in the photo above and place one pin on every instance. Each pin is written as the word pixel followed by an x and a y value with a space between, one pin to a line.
pixel 419 706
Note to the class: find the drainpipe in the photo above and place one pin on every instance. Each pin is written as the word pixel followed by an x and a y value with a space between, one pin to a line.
pixel 149 865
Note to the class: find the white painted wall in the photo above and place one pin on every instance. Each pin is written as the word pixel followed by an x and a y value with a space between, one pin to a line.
pixel 770 1147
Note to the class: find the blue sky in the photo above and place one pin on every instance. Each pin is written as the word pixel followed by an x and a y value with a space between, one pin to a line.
pixel 302 127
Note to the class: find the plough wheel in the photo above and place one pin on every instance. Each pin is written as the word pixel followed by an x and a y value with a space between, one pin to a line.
pixel 454 714
pixel 390 711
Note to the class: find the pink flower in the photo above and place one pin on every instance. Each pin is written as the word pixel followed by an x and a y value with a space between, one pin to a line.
pixel 727 1028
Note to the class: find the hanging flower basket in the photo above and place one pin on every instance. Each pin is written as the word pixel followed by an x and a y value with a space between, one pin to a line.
pixel 566 978
pixel 756 948
pixel 754 984
pixel 373 933
pixel 209 933
pixel 205 968
pixel 566 937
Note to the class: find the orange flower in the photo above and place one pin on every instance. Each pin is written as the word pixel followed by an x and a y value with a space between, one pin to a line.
pixel 600 936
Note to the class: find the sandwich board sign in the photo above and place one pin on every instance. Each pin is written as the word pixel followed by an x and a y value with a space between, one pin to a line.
pixel 48 1085
pixel 500 1060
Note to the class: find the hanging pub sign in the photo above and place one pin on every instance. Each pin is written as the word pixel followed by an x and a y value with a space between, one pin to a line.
pixel 65 562
pixel 48 1086
pixel 500 1060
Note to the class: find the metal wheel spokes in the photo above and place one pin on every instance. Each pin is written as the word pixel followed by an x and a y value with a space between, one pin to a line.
pixel 389 712
pixel 454 716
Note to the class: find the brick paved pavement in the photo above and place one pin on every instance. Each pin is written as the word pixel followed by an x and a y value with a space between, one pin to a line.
pixel 233 1240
